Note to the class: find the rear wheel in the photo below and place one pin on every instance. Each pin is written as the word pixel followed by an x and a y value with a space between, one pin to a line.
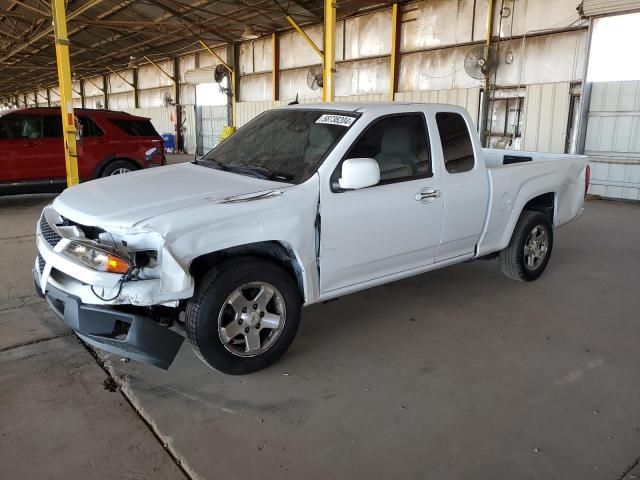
pixel 530 247
pixel 244 315
pixel 118 167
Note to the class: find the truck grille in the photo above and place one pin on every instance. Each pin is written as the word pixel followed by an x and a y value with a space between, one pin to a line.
pixel 49 234
pixel 40 263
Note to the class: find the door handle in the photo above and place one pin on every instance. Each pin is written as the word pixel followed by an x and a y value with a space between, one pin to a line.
pixel 427 195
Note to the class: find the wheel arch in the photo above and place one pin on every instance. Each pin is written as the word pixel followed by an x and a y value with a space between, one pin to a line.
pixel 104 163
pixel 542 202
pixel 276 251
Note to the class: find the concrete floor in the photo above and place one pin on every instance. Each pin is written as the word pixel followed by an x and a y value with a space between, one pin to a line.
pixel 456 374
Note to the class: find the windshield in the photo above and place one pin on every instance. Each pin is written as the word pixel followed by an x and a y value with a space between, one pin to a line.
pixel 281 145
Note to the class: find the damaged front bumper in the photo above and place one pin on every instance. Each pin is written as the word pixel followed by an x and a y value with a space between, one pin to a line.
pixel 130 335
pixel 98 306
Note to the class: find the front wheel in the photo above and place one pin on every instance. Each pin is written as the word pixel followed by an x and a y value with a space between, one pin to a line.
pixel 244 315
pixel 530 247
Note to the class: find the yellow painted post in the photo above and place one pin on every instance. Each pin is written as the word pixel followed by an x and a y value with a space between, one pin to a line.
pixel 66 93
pixel 329 58
pixel 395 51
pixel 232 80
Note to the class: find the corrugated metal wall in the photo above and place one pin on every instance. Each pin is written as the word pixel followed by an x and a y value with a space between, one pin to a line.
pixel 546 117
pixel 468 98
pixel 189 128
pixel 211 119
pixel 605 7
pixel 162 118
pixel 613 139
pixel 435 37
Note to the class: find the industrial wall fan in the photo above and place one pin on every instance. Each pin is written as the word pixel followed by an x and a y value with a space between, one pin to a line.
pixel 481 61
pixel 219 74
pixel 314 78
pixel 167 100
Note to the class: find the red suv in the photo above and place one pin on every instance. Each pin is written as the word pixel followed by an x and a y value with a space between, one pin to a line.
pixel 111 143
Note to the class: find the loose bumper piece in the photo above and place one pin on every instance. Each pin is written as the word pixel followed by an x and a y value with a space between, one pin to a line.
pixel 130 335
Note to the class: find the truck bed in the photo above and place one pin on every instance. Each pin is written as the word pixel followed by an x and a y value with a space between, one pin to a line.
pixel 495 158
pixel 515 177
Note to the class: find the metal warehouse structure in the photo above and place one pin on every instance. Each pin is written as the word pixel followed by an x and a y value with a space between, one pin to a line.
pixel 149 56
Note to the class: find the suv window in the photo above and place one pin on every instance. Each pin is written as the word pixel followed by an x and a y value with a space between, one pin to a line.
pixel 457 148
pixel 16 126
pixel 135 128
pixel 52 126
pixel 400 145
pixel 89 127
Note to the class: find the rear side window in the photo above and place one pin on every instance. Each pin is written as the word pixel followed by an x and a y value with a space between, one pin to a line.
pixel 89 127
pixel 457 148
pixel 136 128
pixel 16 126
pixel 52 126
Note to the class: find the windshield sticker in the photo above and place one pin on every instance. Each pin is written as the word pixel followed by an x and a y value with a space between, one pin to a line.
pixel 341 120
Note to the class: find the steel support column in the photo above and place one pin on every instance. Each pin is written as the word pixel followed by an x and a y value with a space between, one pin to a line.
pixel 395 51
pixel 66 93
pixel 176 101
pixel 484 114
pixel 105 91
pixel 329 57
pixel 136 96
pixel 275 67
pixel 83 103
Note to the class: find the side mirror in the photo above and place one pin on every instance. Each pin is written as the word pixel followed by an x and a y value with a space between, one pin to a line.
pixel 359 173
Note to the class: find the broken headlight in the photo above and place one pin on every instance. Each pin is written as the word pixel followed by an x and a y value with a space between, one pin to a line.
pixel 97 258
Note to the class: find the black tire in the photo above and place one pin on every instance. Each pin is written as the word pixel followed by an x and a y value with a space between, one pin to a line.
pixel 512 259
pixel 209 302
pixel 116 165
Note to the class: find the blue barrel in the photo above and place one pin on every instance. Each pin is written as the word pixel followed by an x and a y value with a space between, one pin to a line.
pixel 169 141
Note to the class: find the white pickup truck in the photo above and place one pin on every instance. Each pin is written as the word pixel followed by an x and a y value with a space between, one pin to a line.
pixel 303 204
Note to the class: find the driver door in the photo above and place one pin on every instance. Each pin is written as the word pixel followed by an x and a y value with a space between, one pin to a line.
pixel 388 228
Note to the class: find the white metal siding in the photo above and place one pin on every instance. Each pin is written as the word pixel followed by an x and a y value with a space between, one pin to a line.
pixel 546 117
pixel 162 118
pixel 613 128
pixel 592 8
pixel 189 128
pixel 613 139
pixel 213 119
pixel 468 98
pixel 615 178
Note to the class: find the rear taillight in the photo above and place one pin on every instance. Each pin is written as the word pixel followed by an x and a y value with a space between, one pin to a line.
pixel 587 179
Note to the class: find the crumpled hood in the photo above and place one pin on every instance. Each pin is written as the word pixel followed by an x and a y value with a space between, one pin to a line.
pixel 125 200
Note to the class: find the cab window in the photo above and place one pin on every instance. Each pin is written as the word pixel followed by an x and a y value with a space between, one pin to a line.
pixel 400 145
pixel 457 148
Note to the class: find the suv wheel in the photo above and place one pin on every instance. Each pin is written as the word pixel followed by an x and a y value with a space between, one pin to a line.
pixel 243 316
pixel 118 168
